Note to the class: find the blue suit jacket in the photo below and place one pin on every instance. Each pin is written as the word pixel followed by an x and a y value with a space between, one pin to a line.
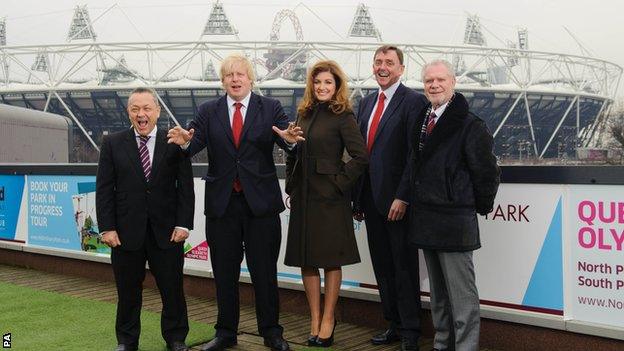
pixel 388 162
pixel 252 161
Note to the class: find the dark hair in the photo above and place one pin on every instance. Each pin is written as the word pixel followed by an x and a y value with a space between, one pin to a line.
pixel 386 48
pixel 145 90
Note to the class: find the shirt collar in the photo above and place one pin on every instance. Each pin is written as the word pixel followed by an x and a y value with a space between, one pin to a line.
pixel 151 134
pixel 440 110
pixel 245 101
pixel 391 90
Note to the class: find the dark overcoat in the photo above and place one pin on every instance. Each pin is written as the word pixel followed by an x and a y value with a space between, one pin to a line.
pixel 454 177
pixel 320 229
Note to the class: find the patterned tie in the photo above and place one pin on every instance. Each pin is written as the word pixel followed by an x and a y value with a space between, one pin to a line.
pixel 237 129
pixel 375 122
pixel 431 123
pixel 144 156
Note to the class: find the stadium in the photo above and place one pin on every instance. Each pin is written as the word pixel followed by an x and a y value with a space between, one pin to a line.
pixel 538 105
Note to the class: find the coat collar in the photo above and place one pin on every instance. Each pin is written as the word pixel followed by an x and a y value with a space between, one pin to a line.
pixel 448 124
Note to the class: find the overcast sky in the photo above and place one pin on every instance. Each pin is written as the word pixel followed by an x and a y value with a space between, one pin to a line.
pixel 597 25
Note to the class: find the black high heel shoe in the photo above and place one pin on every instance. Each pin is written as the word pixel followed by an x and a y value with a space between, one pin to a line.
pixel 312 340
pixel 320 342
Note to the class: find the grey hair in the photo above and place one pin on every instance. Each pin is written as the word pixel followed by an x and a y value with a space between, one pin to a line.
pixel 145 90
pixel 436 62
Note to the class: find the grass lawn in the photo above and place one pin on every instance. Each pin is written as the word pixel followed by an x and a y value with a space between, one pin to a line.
pixel 42 320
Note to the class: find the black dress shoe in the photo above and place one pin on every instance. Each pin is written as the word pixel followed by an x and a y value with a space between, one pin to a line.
pixel 387 337
pixel 327 342
pixel 312 340
pixel 126 347
pixel 177 346
pixel 408 344
pixel 219 343
pixel 276 343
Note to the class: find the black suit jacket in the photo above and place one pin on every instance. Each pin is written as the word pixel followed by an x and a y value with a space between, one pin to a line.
pixel 252 161
pixel 387 169
pixel 125 201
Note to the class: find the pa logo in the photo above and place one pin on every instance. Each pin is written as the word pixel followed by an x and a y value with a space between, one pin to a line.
pixel 6 341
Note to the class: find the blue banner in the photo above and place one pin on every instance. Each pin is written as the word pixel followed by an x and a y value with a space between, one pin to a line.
pixel 61 213
pixel 11 190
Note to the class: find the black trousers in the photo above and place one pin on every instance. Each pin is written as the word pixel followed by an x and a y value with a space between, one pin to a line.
pixel 395 264
pixel 230 237
pixel 166 266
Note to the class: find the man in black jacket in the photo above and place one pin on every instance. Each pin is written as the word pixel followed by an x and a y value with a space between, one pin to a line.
pixel 145 204
pixel 454 177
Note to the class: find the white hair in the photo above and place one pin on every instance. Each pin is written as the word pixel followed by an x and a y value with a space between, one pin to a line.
pixel 445 63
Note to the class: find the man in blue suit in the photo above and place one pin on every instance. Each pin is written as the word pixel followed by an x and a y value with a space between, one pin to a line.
pixel 243 198
pixel 386 120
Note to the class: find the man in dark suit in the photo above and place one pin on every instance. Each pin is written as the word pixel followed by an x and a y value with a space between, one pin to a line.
pixel 145 204
pixel 243 198
pixel 454 178
pixel 386 119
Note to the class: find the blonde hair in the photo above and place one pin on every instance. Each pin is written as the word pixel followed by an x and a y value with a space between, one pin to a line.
pixel 338 103
pixel 233 60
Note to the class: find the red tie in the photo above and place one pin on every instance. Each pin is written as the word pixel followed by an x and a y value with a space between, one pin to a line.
pixel 375 122
pixel 237 129
pixel 237 124
pixel 431 123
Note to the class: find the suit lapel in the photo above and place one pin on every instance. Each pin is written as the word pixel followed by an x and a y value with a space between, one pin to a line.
pixel 160 149
pixel 223 116
pixel 252 112
pixel 396 100
pixel 132 150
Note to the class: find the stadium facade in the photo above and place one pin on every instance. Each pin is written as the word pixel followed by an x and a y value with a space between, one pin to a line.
pixel 539 105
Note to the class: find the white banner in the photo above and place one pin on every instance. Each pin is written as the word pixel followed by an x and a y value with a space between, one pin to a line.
pixel 594 265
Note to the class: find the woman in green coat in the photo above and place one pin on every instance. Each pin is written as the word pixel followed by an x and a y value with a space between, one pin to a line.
pixel 319 182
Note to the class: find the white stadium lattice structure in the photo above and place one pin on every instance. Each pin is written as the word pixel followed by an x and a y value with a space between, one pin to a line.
pixel 537 104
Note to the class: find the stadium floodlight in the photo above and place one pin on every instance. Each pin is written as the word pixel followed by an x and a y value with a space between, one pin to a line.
pixel 218 22
pixel 2 31
pixel 362 25
pixel 41 62
pixel 473 34
pixel 81 26
pixel 523 39
pixel 210 74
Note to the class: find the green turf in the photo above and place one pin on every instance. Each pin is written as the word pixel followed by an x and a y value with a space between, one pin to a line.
pixel 42 320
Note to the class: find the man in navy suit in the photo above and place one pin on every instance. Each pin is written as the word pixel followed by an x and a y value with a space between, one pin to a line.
pixel 243 198
pixel 386 120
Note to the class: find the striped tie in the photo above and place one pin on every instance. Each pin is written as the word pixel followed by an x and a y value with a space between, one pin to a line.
pixel 431 123
pixel 144 156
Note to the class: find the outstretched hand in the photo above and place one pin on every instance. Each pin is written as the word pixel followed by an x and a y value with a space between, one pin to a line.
pixel 180 136
pixel 292 134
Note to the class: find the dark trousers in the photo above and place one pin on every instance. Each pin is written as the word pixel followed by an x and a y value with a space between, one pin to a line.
pixel 395 264
pixel 230 237
pixel 166 266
